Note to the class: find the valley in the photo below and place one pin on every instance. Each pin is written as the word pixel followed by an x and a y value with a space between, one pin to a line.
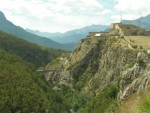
pixel 107 72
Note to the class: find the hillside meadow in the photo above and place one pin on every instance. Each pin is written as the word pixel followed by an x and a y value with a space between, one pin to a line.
pixel 143 41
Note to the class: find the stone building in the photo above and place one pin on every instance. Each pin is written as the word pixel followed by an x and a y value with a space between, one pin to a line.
pixel 115 30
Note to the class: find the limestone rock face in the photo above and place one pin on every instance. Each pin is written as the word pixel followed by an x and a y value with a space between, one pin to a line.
pixel 148 52
pixel 114 32
pixel 98 62
pixel 94 64
pixel 136 78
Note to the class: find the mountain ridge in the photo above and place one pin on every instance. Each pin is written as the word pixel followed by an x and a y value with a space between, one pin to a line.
pixel 72 36
pixel 9 27
pixel 2 16
pixel 141 22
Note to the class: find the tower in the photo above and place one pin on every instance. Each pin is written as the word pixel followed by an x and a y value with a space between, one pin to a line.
pixel 121 18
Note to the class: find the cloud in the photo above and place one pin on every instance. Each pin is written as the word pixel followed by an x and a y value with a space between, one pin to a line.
pixel 52 15
pixel 106 11
pixel 64 15
pixel 134 8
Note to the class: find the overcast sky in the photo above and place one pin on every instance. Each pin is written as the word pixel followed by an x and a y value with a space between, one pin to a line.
pixel 64 15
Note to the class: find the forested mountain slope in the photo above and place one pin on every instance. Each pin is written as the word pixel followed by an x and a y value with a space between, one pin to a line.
pixel 31 52
pixel 22 90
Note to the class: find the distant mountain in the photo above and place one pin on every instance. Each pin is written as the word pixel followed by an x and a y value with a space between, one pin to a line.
pixel 143 22
pixel 44 34
pixel 73 36
pixel 9 27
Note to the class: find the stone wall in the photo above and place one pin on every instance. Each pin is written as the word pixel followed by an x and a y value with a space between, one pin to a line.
pixel 115 29
pixel 92 34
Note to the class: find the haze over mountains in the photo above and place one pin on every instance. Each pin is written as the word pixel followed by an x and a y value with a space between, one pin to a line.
pixel 143 22
pixel 72 36
pixel 105 73
pixel 67 40
pixel 9 27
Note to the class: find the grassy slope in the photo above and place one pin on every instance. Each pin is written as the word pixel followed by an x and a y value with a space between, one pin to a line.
pixel 144 41
pixel 136 103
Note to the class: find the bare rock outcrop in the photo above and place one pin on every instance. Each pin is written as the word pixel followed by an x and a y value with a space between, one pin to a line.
pixel 137 78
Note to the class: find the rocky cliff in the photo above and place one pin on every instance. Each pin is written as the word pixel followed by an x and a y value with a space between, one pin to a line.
pixel 95 66
pixel 136 78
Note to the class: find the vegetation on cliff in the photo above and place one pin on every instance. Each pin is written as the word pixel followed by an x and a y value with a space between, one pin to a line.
pixel 23 90
pixel 93 75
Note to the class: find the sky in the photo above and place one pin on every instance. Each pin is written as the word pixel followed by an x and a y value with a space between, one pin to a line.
pixel 64 15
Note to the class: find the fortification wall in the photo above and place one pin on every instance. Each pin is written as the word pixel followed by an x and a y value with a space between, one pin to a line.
pixel 93 34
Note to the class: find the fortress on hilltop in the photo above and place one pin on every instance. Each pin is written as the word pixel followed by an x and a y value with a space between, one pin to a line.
pixel 119 29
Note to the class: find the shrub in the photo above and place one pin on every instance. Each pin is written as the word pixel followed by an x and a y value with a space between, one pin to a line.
pixel 140 61
pixel 130 65
pixel 141 47
pixel 132 41
pixel 113 39
pixel 88 42
pixel 134 46
pixel 122 37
